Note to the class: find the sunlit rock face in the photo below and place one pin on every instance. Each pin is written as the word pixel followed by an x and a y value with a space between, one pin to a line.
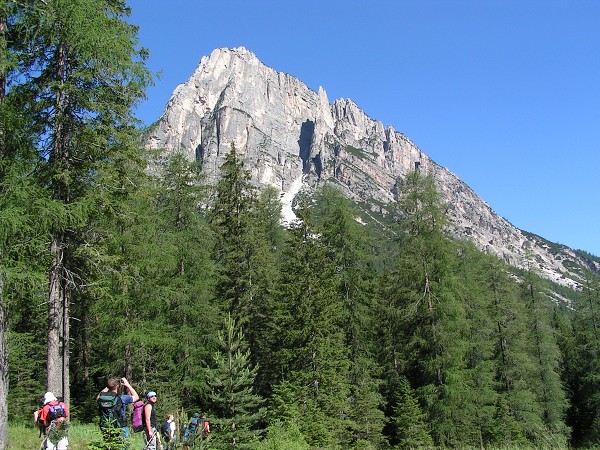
pixel 293 138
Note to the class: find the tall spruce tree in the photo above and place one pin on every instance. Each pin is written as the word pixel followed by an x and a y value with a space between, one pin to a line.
pixel 185 291
pixel 347 246
pixel 313 357
pixel 261 332
pixel 81 72
pixel 247 231
pixel 237 409
pixel 230 216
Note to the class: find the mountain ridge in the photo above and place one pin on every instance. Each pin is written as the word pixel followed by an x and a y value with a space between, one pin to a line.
pixel 291 136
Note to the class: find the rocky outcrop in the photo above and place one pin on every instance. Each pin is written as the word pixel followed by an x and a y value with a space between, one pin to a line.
pixel 291 136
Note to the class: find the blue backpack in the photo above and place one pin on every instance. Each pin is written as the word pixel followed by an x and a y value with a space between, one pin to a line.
pixel 190 430
pixel 57 411
pixel 165 429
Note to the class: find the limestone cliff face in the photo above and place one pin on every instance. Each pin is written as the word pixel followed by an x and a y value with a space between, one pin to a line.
pixel 290 136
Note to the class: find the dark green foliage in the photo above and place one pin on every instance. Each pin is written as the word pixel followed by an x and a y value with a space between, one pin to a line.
pixel 248 235
pixel 349 249
pixel 237 409
pixel 230 216
pixel 27 364
pixel 545 381
pixel 261 331
pixel 409 421
pixel 184 292
pixel 314 356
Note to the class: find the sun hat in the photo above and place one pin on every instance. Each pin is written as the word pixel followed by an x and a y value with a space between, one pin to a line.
pixel 49 397
pixel 151 394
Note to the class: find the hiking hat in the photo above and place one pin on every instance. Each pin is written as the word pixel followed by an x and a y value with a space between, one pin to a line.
pixel 151 394
pixel 196 414
pixel 49 397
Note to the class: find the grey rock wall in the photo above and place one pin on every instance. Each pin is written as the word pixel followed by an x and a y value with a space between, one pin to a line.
pixel 290 136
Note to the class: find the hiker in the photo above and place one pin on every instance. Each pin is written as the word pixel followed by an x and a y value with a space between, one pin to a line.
pixel 112 408
pixel 205 427
pixel 167 431
pixel 51 421
pixel 198 426
pixel 149 415
pixel 189 431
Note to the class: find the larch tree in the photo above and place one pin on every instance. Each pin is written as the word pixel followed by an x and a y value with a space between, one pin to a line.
pixel 80 73
pixel 497 353
pixel 433 321
pixel 545 377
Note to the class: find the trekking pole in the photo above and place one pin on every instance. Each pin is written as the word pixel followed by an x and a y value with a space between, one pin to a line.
pixel 46 434
pixel 43 443
pixel 150 440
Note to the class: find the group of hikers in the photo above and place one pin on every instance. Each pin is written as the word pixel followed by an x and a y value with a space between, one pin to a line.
pixel 112 409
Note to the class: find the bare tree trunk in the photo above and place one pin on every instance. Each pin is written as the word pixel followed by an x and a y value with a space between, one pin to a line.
pixel 3 368
pixel 3 311
pixel 58 296
pixel 128 364
pixel 58 325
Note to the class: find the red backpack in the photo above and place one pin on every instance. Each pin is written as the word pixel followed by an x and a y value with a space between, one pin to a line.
pixel 57 413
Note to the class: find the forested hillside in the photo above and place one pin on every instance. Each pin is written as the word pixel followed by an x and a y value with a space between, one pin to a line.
pixel 330 333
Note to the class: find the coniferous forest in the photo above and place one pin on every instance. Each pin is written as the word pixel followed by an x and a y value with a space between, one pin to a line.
pixel 327 334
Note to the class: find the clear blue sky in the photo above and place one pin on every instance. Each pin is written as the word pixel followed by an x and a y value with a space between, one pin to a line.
pixel 504 93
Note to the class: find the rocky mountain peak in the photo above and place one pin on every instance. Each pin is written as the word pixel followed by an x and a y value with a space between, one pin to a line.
pixel 293 138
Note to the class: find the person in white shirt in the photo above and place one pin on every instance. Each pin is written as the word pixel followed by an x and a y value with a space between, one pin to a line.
pixel 168 432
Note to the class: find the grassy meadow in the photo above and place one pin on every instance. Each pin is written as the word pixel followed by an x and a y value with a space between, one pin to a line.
pixel 81 436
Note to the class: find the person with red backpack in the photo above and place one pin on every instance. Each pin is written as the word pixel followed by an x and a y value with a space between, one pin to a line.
pixel 50 420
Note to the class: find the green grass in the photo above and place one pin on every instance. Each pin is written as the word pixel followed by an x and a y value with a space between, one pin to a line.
pixel 22 437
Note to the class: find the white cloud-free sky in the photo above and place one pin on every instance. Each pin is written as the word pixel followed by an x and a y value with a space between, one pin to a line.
pixel 504 93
